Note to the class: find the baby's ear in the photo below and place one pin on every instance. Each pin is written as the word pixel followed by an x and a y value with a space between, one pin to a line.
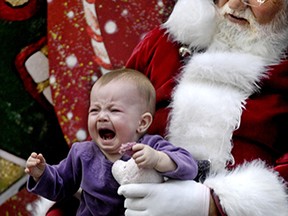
pixel 145 122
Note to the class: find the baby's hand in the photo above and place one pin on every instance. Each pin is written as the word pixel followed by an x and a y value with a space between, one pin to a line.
pixel 35 165
pixel 145 156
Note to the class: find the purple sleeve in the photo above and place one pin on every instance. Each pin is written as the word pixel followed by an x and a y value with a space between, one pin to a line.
pixel 59 181
pixel 187 168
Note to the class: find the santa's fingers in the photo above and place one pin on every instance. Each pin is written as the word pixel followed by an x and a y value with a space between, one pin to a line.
pixel 134 190
pixel 134 204
pixel 130 212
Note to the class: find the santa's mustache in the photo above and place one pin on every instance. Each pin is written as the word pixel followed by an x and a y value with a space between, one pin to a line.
pixel 262 40
pixel 243 14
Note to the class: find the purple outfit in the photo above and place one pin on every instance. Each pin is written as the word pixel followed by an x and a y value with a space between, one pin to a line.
pixel 87 167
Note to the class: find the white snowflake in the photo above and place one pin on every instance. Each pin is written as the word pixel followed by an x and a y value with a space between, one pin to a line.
pixel 52 79
pixel 81 135
pixel 160 3
pixel 124 12
pixel 110 27
pixel 94 78
pixel 71 61
pixel 69 115
pixel 70 14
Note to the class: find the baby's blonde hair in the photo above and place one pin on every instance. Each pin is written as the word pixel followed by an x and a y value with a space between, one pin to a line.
pixel 143 84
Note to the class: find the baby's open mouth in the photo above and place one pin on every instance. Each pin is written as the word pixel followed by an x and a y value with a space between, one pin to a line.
pixel 106 134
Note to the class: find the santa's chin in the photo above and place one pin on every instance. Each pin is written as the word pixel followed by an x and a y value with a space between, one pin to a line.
pixel 251 37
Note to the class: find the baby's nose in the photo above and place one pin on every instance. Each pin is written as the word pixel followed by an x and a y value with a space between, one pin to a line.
pixel 102 116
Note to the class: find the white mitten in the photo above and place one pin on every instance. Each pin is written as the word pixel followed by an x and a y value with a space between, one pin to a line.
pixel 171 198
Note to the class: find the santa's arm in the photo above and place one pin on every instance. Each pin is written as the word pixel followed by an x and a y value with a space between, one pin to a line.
pixel 251 189
pixel 282 166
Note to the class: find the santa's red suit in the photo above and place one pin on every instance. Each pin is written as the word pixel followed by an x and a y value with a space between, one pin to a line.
pixel 229 108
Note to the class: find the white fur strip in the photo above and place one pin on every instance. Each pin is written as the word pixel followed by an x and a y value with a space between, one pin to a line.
pixel 207 103
pixel 250 190
pixel 240 70
pixel 40 207
pixel 192 22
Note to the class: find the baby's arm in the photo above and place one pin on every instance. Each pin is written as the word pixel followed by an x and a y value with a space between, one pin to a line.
pixel 35 166
pixel 147 157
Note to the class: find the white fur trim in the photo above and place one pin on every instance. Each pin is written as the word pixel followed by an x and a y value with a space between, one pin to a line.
pixel 250 190
pixel 239 70
pixel 207 103
pixel 41 206
pixel 192 22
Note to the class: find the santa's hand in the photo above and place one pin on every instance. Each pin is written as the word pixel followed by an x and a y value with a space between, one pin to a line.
pixel 171 198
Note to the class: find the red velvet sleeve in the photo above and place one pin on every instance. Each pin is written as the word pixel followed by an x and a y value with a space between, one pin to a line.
pixel 158 58
pixel 264 123
pixel 282 166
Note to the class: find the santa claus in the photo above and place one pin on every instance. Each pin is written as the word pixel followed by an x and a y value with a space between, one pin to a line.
pixel 224 66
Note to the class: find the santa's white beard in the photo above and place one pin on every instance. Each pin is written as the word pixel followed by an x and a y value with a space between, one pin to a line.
pixel 268 41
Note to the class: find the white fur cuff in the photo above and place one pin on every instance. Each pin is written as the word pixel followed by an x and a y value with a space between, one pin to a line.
pixel 250 190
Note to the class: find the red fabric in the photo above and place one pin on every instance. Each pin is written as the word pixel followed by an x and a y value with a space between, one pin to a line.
pixel 18 203
pixel 26 11
pixel 282 166
pixel 66 207
pixel 264 124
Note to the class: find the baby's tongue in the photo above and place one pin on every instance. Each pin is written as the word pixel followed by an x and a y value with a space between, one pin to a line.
pixel 107 134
